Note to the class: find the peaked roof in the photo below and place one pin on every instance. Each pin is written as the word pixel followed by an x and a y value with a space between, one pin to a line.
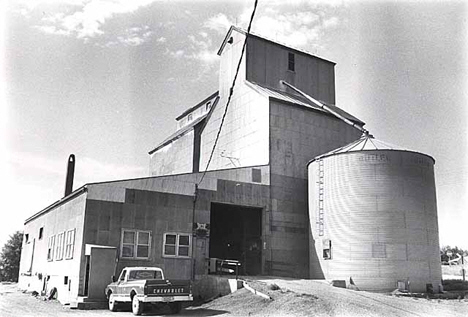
pixel 252 34
pixel 204 101
pixel 179 133
pixel 299 100
pixel 174 136
pixel 367 142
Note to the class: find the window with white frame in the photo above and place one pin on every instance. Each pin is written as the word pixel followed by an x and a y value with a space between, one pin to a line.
pixel 59 246
pixel 135 244
pixel 50 248
pixel 177 244
pixel 69 244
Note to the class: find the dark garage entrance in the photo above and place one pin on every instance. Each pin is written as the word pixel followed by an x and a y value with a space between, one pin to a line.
pixel 235 234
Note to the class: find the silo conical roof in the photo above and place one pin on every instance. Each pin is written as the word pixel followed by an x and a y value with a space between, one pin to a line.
pixel 367 142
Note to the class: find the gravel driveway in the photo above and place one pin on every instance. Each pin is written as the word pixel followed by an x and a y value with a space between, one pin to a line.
pixel 344 302
pixel 14 303
pixel 294 297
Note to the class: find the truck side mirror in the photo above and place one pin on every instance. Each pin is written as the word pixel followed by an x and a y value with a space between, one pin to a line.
pixel 114 279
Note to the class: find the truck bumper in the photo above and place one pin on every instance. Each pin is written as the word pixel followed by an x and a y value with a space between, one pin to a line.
pixel 165 299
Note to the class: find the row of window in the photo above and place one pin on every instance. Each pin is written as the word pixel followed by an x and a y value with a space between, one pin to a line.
pixel 136 244
pixel 61 245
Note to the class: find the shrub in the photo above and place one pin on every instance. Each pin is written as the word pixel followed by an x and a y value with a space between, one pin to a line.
pixel 455 285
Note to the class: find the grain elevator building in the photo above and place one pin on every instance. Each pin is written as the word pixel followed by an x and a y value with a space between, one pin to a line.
pixel 252 205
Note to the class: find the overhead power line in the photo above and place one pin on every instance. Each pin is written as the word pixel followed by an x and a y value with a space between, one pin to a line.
pixel 231 91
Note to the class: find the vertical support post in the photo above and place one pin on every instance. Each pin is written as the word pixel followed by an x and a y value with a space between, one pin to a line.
pixel 193 240
pixel 463 267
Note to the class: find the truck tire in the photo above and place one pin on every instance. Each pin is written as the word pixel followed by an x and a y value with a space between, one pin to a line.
pixel 112 303
pixel 137 306
pixel 175 307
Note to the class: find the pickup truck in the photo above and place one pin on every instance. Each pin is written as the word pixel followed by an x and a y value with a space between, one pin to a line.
pixel 143 286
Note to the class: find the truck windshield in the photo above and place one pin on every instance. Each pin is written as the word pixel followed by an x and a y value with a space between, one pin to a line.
pixel 145 275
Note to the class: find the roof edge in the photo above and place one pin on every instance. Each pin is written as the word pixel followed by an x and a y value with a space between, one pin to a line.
pixel 297 50
pixel 173 175
pixel 183 132
pixel 59 202
pixel 203 119
pixel 226 38
pixel 197 105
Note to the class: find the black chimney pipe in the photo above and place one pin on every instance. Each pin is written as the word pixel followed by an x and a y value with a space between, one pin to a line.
pixel 70 175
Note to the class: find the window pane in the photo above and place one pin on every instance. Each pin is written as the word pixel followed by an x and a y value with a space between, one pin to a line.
pixel 129 237
pixel 291 61
pixel 170 239
pixel 122 275
pixel 183 240
pixel 169 250
pixel 127 251
pixel 183 251
pixel 72 248
pixel 143 238
pixel 142 251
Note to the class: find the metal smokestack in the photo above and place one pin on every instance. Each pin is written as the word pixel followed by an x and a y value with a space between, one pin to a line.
pixel 70 174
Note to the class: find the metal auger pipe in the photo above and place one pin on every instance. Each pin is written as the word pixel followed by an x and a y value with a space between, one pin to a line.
pixel 325 107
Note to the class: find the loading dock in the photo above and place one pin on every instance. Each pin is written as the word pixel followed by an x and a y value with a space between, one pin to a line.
pixel 236 234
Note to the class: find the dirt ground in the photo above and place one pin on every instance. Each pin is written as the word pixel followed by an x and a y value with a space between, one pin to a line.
pixel 293 298
pixel 318 298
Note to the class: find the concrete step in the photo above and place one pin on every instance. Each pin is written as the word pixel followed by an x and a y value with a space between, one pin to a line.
pixel 88 303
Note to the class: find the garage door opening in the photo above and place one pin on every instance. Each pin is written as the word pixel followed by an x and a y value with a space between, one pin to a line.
pixel 235 234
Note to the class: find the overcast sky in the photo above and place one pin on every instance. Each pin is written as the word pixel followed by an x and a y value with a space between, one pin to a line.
pixel 104 79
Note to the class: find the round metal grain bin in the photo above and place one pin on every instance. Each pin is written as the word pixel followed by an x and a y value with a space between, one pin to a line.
pixel 373 217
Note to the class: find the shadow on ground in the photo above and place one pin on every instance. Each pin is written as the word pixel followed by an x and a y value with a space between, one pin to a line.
pixel 189 311
pixel 201 312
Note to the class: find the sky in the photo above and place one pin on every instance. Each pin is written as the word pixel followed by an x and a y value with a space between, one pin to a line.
pixel 105 79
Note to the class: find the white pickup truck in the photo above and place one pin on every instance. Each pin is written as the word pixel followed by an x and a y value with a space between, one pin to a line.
pixel 143 286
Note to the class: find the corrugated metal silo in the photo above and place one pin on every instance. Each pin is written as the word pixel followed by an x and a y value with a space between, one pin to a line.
pixel 373 217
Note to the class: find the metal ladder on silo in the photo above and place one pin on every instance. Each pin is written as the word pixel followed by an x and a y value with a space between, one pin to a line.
pixel 320 221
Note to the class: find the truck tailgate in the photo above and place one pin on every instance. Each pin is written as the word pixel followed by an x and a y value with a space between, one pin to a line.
pixel 167 287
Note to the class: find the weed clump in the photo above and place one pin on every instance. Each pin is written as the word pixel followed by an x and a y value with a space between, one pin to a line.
pixel 273 287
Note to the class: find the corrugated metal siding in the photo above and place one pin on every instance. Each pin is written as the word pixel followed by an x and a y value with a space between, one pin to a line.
pixel 380 213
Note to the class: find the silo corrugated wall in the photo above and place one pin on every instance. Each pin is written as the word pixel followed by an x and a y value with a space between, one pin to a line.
pixel 377 210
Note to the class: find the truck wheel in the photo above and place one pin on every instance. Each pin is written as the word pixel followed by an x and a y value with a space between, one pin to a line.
pixel 175 307
pixel 112 303
pixel 137 306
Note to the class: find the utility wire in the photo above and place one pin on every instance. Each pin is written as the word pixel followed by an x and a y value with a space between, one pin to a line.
pixel 231 90
pixel 195 197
